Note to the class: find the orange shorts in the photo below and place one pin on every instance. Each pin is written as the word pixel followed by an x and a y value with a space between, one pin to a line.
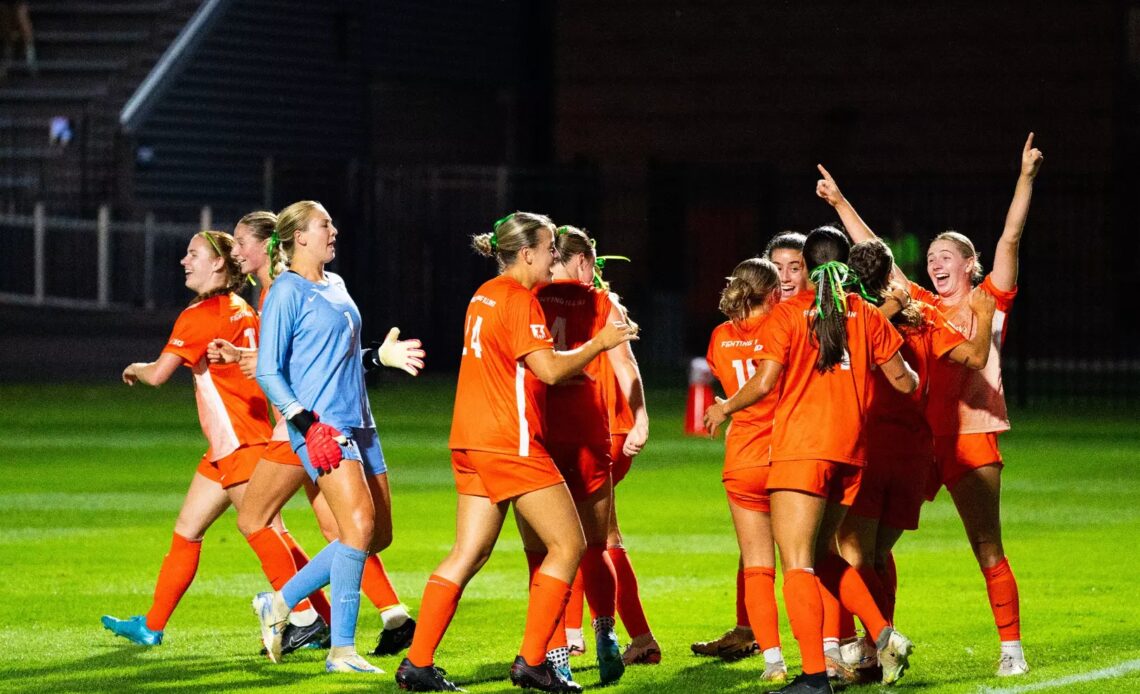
pixel 892 490
pixel 585 468
pixel 957 454
pixel 499 476
pixel 836 482
pixel 748 487
pixel 281 452
pixel 621 461
pixel 234 469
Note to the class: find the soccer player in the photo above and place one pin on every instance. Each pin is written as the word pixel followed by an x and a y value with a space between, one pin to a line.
pixel 825 344
pixel 578 440
pixel 752 291
pixel 280 474
pixel 233 413
pixel 310 365
pixel 966 409
pixel 785 251
pixel 900 452
pixel 624 395
pixel 498 455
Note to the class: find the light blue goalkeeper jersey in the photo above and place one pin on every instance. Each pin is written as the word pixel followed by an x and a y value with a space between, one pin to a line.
pixel 309 357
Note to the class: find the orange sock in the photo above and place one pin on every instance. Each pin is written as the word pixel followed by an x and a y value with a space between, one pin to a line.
pixel 1002 589
pixel 441 598
pixel 276 560
pixel 832 612
pixel 177 573
pixel 628 598
pixel 760 599
pixel 805 612
pixel 741 605
pixel 846 625
pixel 577 602
pixel 558 637
pixel 598 578
pixel 548 597
pixel 317 598
pixel 843 581
pixel 889 577
pixel 376 585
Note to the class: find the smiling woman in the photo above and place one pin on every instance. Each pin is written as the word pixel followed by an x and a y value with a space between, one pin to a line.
pixel 233 413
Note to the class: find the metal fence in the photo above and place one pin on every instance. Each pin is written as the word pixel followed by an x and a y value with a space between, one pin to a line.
pixel 95 263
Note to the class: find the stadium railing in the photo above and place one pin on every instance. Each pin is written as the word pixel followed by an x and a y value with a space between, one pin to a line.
pixel 91 263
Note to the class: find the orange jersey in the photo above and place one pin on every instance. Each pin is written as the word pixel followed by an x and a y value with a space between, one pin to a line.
pixel 897 425
pixel 575 408
pixel 499 403
pixel 231 408
pixel 822 416
pixel 732 357
pixel 963 400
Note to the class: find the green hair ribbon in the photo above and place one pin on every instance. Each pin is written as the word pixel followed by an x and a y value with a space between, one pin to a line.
pixel 839 274
pixel 217 249
pixel 495 231
pixel 600 264
pixel 271 251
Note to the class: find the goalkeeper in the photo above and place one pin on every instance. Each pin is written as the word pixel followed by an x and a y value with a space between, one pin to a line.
pixel 310 365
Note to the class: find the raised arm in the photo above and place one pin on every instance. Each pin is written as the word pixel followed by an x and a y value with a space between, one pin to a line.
pixel 975 352
pixel 153 373
pixel 552 366
pixel 857 229
pixel 1004 274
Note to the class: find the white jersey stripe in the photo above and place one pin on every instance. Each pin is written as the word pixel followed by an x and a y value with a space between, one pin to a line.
pixel 216 423
pixel 520 405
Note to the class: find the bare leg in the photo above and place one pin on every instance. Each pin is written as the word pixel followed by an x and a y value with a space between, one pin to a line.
pixel 978 499
pixel 351 499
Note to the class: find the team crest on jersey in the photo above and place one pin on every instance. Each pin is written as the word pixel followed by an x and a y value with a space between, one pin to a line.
pixel 538 330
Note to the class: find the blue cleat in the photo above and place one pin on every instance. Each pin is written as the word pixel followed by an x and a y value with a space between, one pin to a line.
pixel 133 629
pixel 610 664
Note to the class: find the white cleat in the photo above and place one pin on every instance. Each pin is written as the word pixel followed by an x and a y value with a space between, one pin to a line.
pixel 1011 666
pixel 273 614
pixel 350 662
pixel 894 657
pixel 775 673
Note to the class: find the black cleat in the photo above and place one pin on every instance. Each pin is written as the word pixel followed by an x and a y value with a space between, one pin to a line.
pixel 543 677
pixel 392 641
pixel 423 679
pixel 807 684
pixel 294 638
pixel 315 635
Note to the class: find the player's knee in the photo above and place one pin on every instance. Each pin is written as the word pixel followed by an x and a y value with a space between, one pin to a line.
pixel 249 523
pixel 359 531
pixel 471 559
pixel 568 549
pixel 381 538
pixel 988 551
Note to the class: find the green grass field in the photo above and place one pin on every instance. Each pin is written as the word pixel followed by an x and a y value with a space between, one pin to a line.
pixel 93 477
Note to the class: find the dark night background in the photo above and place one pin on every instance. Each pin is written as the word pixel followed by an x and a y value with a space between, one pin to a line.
pixel 681 134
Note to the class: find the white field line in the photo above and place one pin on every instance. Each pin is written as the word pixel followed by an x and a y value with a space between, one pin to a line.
pixel 1107 673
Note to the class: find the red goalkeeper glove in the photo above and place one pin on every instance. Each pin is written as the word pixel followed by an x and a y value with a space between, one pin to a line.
pixel 321 440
